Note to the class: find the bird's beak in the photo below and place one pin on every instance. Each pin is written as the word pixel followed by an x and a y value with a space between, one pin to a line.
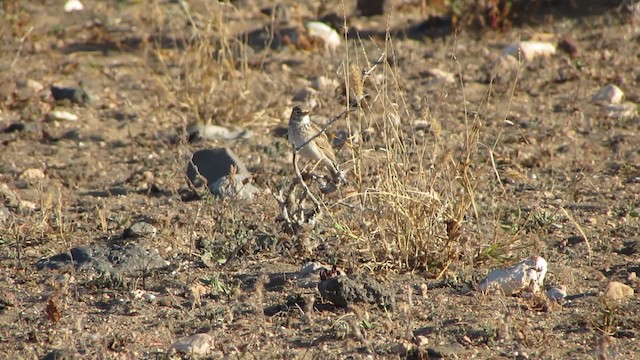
pixel 305 112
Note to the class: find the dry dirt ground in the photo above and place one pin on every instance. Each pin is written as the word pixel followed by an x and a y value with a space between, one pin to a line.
pixel 447 180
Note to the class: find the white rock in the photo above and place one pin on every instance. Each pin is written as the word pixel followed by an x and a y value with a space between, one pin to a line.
pixel 214 132
pixel 137 294
pixel 420 124
pixel 34 85
pixel 326 33
pixel 527 275
pixel 310 268
pixel 556 293
pixel 238 187
pixel 621 111
pixel 27 205
pixel 529 50
pixel 73 5
pixel 32 174
pixel 609 94
pixel 197 344
pixel 61 115
pixel 441 76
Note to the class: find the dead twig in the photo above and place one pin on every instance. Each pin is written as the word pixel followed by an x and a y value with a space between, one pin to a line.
pixel 22 40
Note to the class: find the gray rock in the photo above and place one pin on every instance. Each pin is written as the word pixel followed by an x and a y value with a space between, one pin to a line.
pixel 341 291
pixel 117 260
pixel 237 187
pixel 140 229
pixel 196 344
pixel 448 351
pixel 59 354
pixel 212 164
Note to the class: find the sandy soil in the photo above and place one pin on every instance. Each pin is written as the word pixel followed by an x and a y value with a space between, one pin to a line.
pixel 522 168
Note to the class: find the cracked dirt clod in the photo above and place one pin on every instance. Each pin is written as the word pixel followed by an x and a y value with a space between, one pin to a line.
pixel 342 291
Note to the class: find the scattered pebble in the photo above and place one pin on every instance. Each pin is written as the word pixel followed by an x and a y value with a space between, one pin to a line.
pixel 609 94
pixel 311 274
pixel 402 347
pixel 73 5
pixel 197 344
pixel 448 351
pixel 557 294
pixel 55 115
pixel 569 45
pixel 309 268
pixel 527 275
pixel 27 89
pixel 529 50
pixel 621 111
pixel 421 340
pixel 237 186
pixel 328 35
pixel 420 124
pixel 27 205
pixel 618 291
pixel 140 229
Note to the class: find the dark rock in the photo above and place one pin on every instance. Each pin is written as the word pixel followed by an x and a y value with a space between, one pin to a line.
pixel 434 27
pixel 370 7
pixel 341 291
pixel 261 38
pixel 569 45
pixel 119 260
pixel 22 126
pixel 76 95
pixel 630 247
pixel 212 164
pixel 60 355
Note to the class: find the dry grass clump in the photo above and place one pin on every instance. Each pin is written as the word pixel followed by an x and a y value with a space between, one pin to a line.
pixel 206 64
pixel 413 194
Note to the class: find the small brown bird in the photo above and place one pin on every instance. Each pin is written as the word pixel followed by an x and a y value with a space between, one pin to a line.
pixel 302 129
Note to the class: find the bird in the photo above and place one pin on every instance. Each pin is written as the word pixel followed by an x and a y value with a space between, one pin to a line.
pixel 301 129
